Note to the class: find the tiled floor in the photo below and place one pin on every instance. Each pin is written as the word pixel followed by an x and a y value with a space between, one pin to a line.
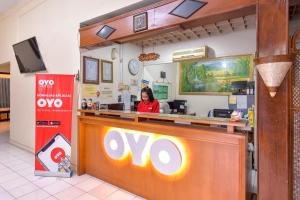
pixel 18 182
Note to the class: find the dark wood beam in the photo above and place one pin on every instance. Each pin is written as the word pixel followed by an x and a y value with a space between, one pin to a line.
pixel 274 180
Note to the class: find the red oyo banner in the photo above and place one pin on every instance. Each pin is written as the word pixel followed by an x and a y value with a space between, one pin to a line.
pixel 54 99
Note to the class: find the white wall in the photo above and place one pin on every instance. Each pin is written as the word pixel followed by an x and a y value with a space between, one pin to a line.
pixel 55 23
pixel 236 43
pixel 120 67
pixel 152 73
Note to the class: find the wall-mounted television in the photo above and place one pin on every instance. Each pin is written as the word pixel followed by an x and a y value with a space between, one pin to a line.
pixel 28 56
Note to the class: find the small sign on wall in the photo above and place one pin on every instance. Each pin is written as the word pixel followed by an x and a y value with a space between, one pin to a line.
pixel 89 90
pixel 107 91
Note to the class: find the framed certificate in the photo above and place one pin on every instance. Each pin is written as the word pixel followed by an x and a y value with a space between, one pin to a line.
pixel 90 70
pixel 140 22
pixel 106 71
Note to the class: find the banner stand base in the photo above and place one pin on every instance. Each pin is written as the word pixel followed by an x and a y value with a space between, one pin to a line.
pixel 53 174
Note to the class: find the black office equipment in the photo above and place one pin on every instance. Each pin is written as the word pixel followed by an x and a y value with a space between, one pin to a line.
pixel 163 75
pixel 171 104
pixel 239 87
pixel 116 106
pixel 223 113
pixel 135 105
pixel 28 56
pixel 133 98
pixel 178 106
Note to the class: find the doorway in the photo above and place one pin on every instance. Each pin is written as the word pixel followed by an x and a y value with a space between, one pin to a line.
pixel 4 101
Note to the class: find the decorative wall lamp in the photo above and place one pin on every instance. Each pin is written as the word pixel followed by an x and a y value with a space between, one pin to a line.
pixel 273 69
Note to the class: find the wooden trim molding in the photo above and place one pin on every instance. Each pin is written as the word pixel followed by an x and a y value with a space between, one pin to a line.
pixel 272 59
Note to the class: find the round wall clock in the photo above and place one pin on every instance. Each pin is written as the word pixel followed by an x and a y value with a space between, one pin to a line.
pixel 134 67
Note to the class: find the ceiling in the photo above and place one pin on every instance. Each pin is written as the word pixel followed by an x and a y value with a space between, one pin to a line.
pixel 182 34
pixel 118 12
pixel 5 5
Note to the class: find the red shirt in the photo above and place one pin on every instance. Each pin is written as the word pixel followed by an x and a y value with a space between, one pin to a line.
pixel 148 106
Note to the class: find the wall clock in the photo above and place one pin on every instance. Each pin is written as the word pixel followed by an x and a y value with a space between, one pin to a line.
pixel 134 67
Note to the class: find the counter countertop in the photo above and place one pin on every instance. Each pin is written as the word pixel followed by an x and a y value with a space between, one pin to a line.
pixel 138 116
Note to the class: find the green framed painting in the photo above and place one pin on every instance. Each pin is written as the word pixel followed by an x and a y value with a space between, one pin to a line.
pixel 214 76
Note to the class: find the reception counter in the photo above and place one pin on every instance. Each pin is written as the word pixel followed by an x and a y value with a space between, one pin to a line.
pixel 164 157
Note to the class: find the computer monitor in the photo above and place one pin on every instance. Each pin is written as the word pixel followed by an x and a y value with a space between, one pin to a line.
pixel 116 106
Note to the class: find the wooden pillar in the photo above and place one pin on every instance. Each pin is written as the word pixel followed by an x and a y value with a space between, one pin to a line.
pixel 273 113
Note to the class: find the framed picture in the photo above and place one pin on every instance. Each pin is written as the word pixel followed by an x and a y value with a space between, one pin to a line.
pixel 214 76
pixel 140 22
pixel 106 71
pixel 161 91
pixel 90 70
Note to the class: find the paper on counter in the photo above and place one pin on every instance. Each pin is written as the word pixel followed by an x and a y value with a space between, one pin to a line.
pixel 241 101
pixel 232 99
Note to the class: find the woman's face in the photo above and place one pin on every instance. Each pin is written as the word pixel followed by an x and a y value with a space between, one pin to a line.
pixel 145 96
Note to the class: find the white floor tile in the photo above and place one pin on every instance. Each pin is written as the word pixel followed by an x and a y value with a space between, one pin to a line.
pixel 5 196
pixel 5 171
pixel 87 197
pixel 74 180
pixel 8 177
pixel 11 184
pixel 121 194
pixel 56 187
pixel 69 194
pixel 51 198
pixel 36 195
pixel 44 181
pixel 89 184
pixel 31 177
pixel 13 163
pixel 21 167
pixel 104 190
pixel 27 171
pixel 2 166
pixel 22 190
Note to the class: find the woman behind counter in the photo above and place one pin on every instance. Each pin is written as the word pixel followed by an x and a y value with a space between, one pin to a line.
pixel 148 103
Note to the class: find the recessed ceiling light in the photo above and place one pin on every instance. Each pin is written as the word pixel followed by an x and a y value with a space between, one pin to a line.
pixel 187 8
pixel 105 32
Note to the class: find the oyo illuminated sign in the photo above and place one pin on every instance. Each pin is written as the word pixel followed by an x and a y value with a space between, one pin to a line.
pixel 166 154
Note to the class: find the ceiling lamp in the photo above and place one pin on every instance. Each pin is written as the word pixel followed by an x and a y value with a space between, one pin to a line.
pixel 273 69
pixel 187 8
pixel 148 57
pixel 105 32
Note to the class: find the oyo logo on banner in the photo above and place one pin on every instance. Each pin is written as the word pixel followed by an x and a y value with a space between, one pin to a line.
pixel 49 102
pixel 46 83
pixel 166 153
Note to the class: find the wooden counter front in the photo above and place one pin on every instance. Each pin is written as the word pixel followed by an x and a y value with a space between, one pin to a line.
pixel 214 168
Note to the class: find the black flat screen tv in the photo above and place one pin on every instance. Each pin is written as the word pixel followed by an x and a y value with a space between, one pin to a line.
pixel 28 56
